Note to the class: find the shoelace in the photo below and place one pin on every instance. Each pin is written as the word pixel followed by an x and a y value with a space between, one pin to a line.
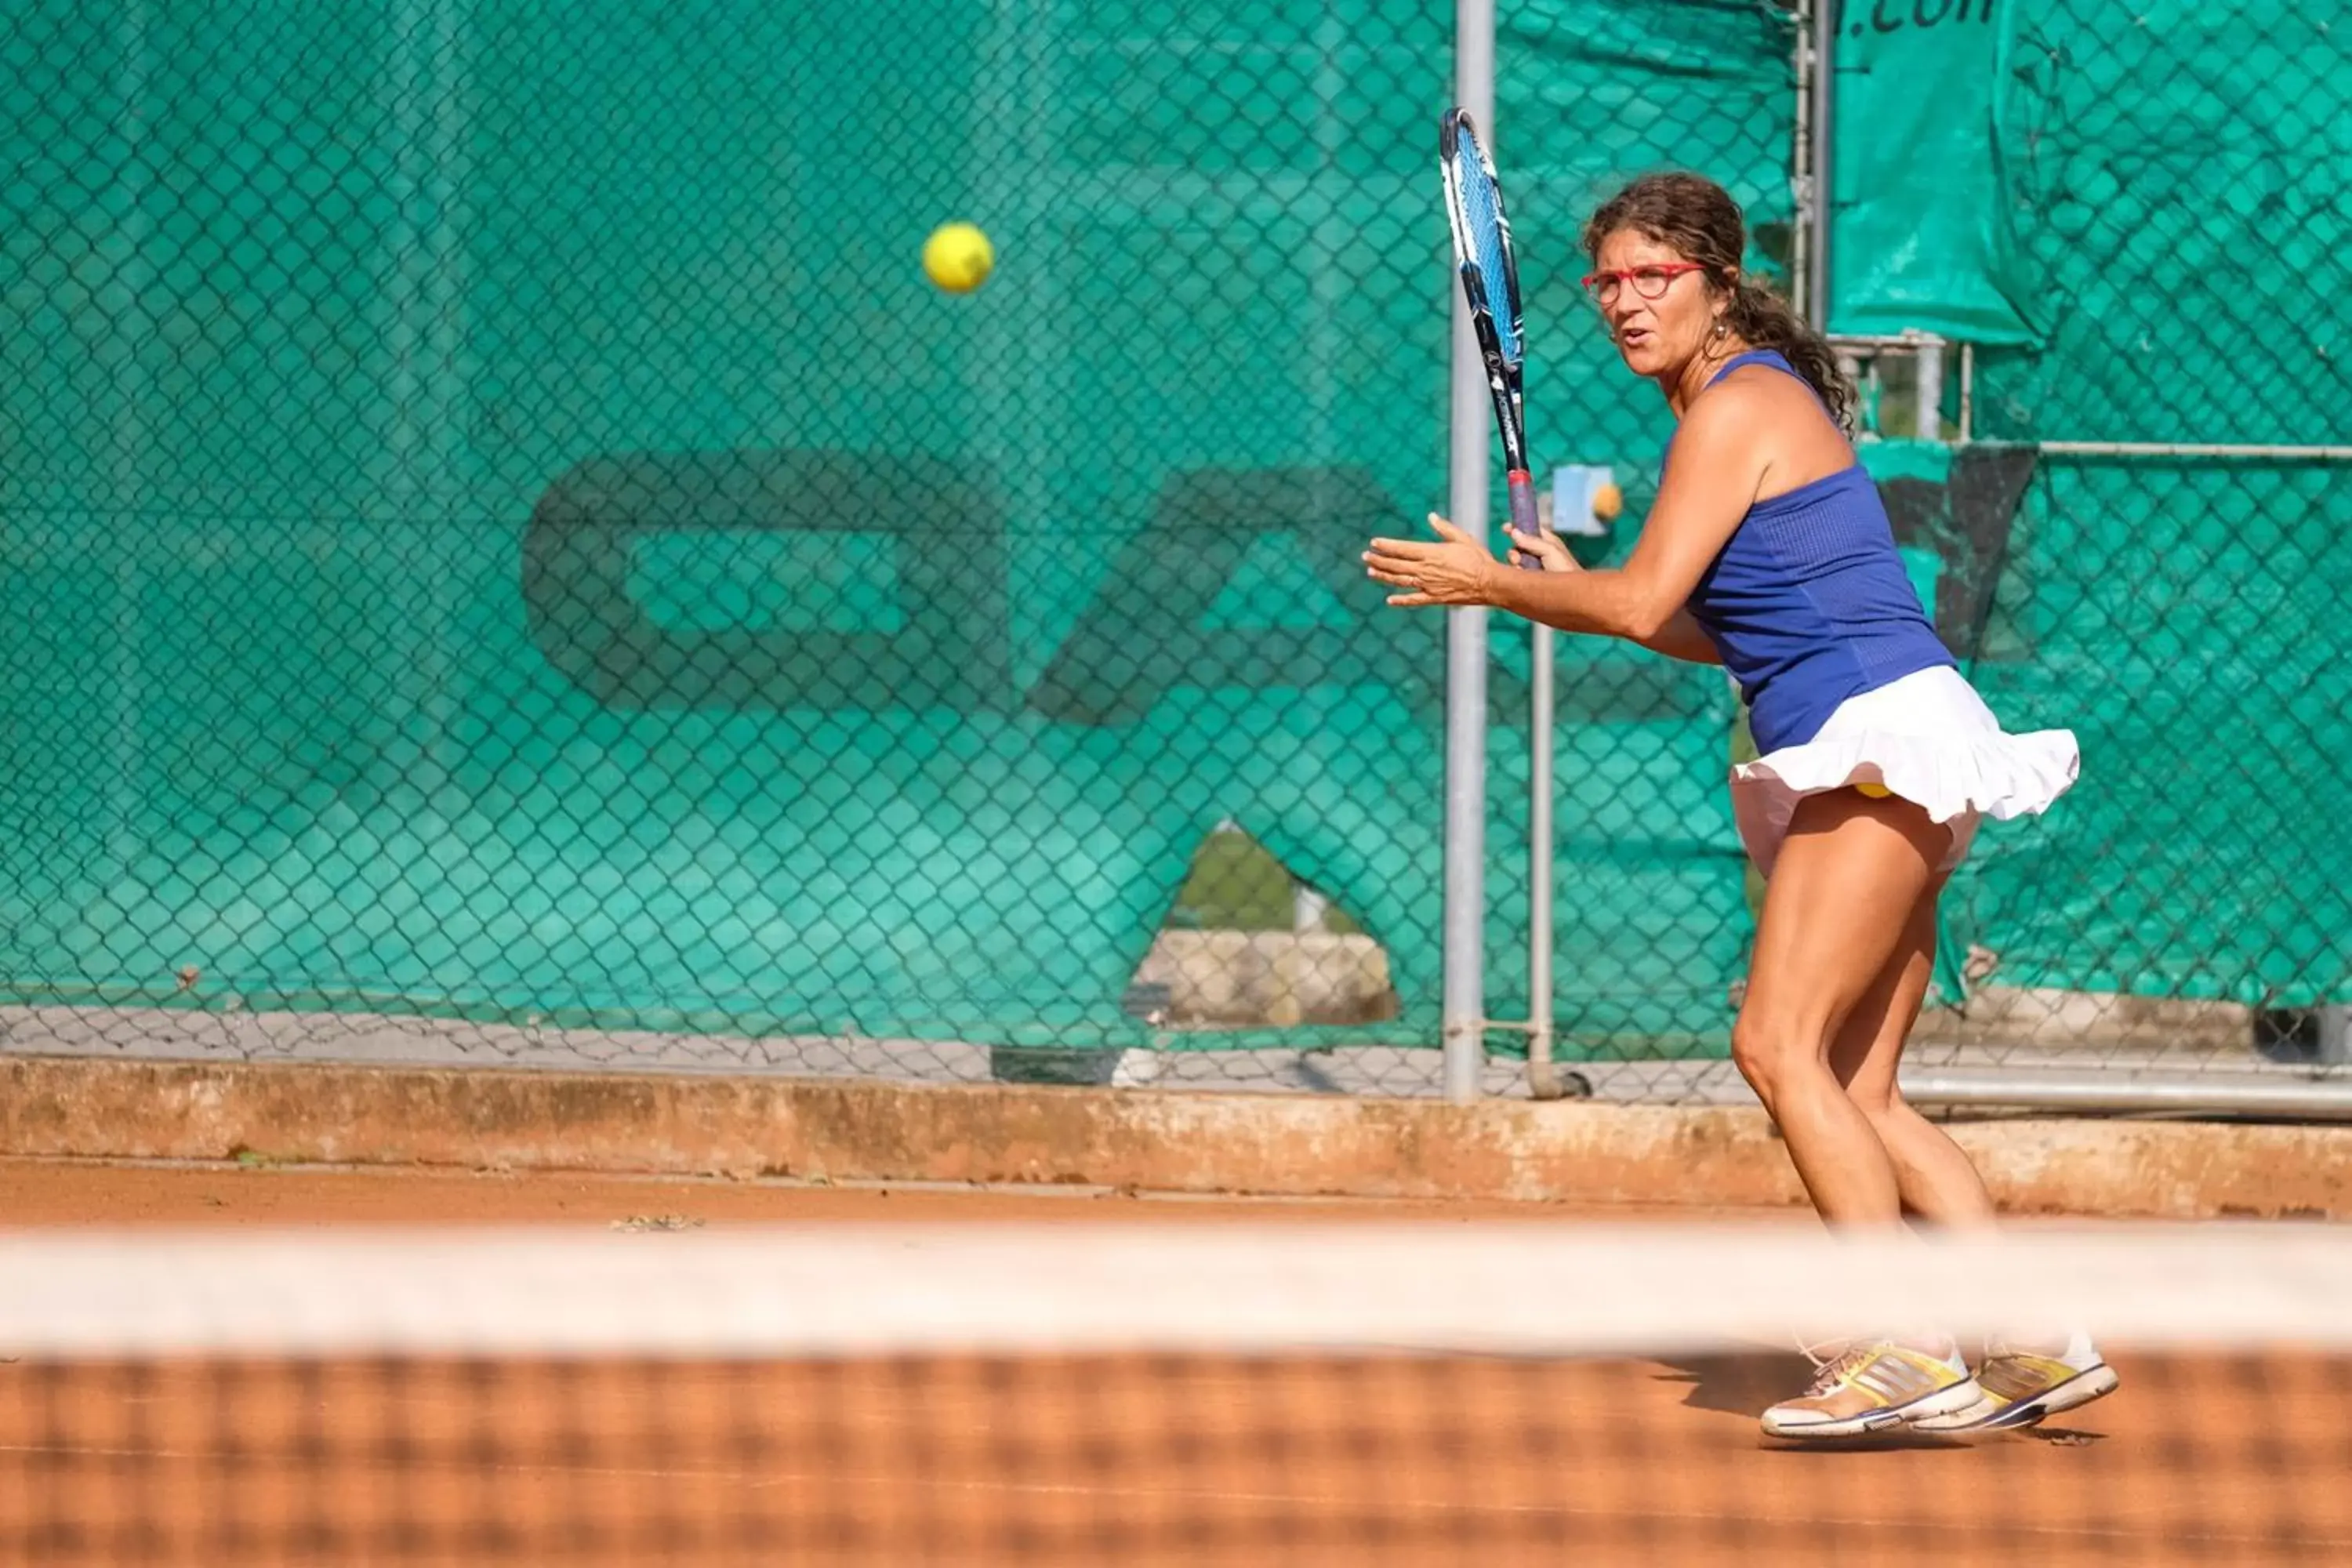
pixel 1821 1352
pixel 1833 1371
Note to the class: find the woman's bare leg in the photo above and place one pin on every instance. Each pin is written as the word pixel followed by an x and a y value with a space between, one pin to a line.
pixel 1936 1181
pixel 1845 887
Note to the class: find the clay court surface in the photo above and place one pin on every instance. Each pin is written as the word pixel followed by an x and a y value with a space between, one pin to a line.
pixel 1096 1459
pixel 46 1192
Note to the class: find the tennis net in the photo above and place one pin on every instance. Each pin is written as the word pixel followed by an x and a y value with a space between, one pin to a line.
pixel 1292 1393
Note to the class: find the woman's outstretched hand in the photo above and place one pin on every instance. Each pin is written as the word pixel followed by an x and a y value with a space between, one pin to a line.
pixel 1457 570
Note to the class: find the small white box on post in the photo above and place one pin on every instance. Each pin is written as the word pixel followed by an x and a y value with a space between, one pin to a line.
pixel 1584 500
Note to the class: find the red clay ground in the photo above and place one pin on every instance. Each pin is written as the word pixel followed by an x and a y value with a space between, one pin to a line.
pixel 50 1193
pixel 1111 1459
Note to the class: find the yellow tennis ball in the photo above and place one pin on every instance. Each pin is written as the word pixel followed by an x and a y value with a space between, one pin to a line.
pixel 1607 502
pixel 958 256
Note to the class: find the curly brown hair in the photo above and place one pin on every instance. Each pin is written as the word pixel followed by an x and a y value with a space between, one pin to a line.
pixel 1698 218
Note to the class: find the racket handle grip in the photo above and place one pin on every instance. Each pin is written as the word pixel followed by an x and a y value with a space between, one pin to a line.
pixel 1522 486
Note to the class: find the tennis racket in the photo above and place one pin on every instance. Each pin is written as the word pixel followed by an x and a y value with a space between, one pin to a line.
pixel 1490 282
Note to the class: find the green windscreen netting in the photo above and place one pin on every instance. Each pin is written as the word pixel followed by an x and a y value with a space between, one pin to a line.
pixel 2156 190
pixel 499 522
pixel 494 521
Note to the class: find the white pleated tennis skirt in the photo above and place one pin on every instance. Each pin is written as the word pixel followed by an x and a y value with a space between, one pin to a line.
pixel 1928 738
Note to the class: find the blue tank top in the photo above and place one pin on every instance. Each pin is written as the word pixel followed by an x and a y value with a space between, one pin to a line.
pixel 1809 603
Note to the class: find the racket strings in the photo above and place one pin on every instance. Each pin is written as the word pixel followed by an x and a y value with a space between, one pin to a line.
pixel 1483 239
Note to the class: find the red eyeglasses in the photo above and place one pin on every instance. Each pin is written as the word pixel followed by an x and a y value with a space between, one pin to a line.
pixel 1650 282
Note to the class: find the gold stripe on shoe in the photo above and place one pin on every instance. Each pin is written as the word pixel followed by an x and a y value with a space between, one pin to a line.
pixel 2021 1389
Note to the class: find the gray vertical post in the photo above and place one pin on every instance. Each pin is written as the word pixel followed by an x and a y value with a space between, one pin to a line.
pixel 2335 1035
pixel 1928 389
pixel 1801 163
pixel 1817 256
pixel 1968 392
pixel 1465 1007
pixel 1543 1078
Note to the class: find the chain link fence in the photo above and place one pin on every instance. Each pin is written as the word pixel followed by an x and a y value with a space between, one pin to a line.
pixel 2074 261
pixel 2171 584
pixel 513 538
pixel 511 561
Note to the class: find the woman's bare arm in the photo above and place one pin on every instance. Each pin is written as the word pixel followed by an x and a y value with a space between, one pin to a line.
pixel 1711 479
pixel 1681 639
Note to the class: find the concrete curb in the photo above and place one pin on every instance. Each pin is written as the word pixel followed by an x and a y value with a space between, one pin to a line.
pixel 1156 1139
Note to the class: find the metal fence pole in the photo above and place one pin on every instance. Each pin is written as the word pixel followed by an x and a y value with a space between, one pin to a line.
pixel 1543 1078
pixel 2313 1096
pixel 1819 170
pixel 1928 389
pixel 2335 1035
pixel 1801 163
pixel 1464 1004
pixel 2234 451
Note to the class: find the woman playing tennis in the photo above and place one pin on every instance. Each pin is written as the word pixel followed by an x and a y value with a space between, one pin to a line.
pixel 1770 552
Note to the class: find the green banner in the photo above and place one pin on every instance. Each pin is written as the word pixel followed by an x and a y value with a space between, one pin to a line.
pixel 1920 222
